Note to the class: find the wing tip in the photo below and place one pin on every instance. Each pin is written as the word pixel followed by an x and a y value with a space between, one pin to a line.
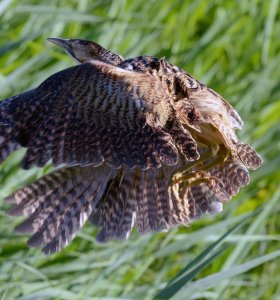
pixel 25 227
pixel 15 211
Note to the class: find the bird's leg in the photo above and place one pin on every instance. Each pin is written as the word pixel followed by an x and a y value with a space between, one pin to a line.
pixel 203 176
pixel 198 178
pixel 184 172
pixel 219 155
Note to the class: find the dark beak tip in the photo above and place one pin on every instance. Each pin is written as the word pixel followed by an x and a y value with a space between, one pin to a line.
pixel 58 41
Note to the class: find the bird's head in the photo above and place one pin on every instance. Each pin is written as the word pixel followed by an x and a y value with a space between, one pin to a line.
pixel 82 50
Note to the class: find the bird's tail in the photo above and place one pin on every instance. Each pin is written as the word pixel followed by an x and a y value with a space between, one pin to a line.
pixel 58 204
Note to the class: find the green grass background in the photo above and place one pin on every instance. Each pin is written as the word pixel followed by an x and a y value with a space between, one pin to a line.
pixel 234 47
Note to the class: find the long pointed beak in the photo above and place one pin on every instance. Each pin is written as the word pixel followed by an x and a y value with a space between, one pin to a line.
pixel 59 42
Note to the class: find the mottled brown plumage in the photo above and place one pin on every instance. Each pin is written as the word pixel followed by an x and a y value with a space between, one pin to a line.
pixel 137 142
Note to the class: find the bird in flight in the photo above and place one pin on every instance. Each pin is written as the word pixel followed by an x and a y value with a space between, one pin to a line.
pixel 135 142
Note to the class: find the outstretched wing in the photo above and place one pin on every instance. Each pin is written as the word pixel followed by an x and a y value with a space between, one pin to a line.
pixel 89 114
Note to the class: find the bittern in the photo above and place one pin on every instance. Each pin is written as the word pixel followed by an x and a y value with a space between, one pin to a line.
pixel 136 142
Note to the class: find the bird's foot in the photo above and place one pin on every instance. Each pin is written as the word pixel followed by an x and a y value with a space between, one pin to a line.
pixel 208 160
pixel 194 178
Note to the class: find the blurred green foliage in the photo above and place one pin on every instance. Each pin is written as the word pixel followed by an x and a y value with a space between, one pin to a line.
pixel 234 47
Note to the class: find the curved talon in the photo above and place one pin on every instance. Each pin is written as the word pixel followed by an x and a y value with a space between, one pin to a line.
pixel 217 153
